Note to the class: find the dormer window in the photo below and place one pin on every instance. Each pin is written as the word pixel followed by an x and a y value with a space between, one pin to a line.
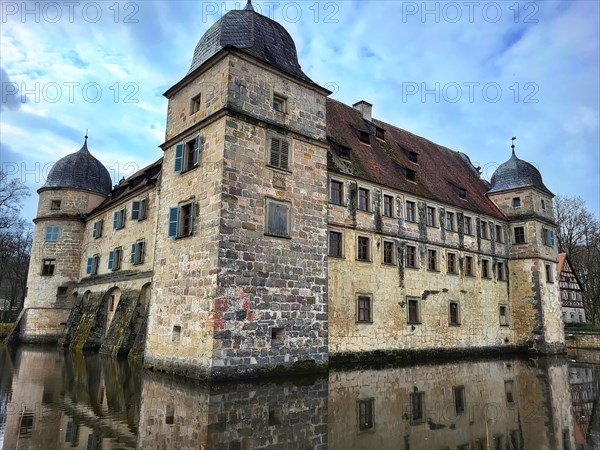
pixel 344 152
pixel 516 202
pixel 379 133
pixel 195 104
pixel 279 103
pixel 411 175
pixel 363 136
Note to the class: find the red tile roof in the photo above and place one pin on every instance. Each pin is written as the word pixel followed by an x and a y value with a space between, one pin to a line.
pixel 442 174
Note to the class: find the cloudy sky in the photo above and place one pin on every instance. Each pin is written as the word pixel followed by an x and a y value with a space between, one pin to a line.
pixel 468 75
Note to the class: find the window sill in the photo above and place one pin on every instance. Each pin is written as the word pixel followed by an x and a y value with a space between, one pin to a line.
pixel 183 236
pixel 364 322
pixel 505 325
pixel 336 257
pixel 433 270
pixel 411 267
pixel 337 204
pixel 364 211
pixel 387 217
pixel 47 275
pixel 279 169
pixel 520 243
pixel 389 264
pixel 184 171
pixel 414 323
pixel 278 236
pixel 452 273
pixel 431 226
pixel 472 275
pixel 411 221
pixel 363 260
pixel 454 324
pixel 486 278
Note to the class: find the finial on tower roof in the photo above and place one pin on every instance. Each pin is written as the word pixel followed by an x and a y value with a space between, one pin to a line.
pixel 513 145
pixel 86 133
pixel 249 6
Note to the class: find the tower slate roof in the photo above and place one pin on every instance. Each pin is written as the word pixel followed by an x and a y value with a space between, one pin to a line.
pixel 516 173
pixel 254 34
pixel 79 170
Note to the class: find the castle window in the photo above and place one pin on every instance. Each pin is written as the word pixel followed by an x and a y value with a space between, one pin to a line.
pixel 485 268
pixel 365 414
pixel 468 228
pixel 503 309
pixel 484 230
pixel 516 202
pixel 187 154
pixel 410 211
pixel 453 314
pixel 451 263
pixel 363 136
pixel 115 257
pixel 459 400
pixel 97 230
pixel 335 244
pixel 278 218
pixel 336 192
pixel 417 407
pixel 26 424
pixel 501 271
pixel 430 216
pixel 543 204
pixel 413 156
pixel 139 209
pixel 277 334
pixel 469 266
pixel 509 390
pixel 195 104
pixel 411 175
pixel 55 205
pixel 137 252
pixel 548 237
pixel 169 415
pixel 48 266
pixel 52 233
pixel 379 133
pixel 181 220
pixel 411 256
pixel 364 197
pixel 344 152
pixel 388 206
pixel 279 155
pixel 450 221
pixel 92 265
pixel 363 309
pixel 176 334
pixel 414 313
pixel 388 252
pixel 363 248
pixel 499 234
pixel 432 260
pixel 279 103
pixel 119 219
pixel 62 291
pixel 549 274
pixel 519 235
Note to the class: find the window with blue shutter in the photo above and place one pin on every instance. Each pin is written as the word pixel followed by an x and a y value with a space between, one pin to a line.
pixel 197 150
pixel 173 221
pixel 116 220
pixel 552 238
pixel 179 157
pixel 133 251
pixel 111 260
pixel 52 232
pixel 90 265
pixel 135 210
pixel 97 232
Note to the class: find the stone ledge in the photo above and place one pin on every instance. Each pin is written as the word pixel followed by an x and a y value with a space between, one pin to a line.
pixel 121 275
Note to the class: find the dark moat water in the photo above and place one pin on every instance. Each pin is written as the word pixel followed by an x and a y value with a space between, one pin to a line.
pixel 55 400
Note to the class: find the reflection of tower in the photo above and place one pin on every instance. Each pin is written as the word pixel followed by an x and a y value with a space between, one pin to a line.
pixel 519 192
pixel 75 185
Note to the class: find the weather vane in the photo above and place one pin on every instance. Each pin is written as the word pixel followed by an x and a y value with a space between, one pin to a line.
pixel 513 144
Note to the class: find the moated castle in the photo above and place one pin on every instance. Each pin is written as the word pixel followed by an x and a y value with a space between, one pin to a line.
pixel 282 228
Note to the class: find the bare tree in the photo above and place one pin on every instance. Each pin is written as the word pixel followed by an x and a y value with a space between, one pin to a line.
pixel 579 236
pixel 15 244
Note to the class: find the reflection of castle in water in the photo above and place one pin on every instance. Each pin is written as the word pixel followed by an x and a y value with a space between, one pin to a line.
pixel 83 401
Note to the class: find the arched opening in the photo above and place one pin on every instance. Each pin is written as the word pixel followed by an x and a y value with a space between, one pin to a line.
pixel 143 307
pixel 86 298
pixel 110 304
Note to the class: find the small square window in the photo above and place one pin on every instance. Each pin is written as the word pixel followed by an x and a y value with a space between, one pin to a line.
pixel 453 314
pixel 388 206
pixel 363 309
pixel 411 256
pixel 411 175
pixel 516 202
pixel 61 291
pixel 363 136
pixel 519 235
pixel 388 252
pixel 549 274
pixel 48 267
pixel 364 199
pixel 413 156
pixel 277 334
pixel 55 205
pixel 195 104
pixel 363 248
pixel 485 268
pixel 176 334
pixel 52 233
pixel 336 192
pixel 278 218
pixel 430 216
pixel 335 244
pixel 379 133
pixel 503 310
pixel 469 269
pixel 365 414
pixel 410 211
pixel 344 152
pixel 279 103
pixel 452 264
pixel 414 313
pixel 432 260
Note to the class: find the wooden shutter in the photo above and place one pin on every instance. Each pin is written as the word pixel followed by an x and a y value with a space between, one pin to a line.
pixel 100 225
pixel 133 252
pixel 173 221
pixel 284 155
pixel 197 150
pixel 191 223
pixel 135 210
pixel 278 219
pixel 116 220
pixel 111 260
pixel 179 157
pixel 90 263
pixel 275 150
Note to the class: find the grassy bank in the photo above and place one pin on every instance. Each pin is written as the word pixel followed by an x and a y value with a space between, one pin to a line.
pixel 581 326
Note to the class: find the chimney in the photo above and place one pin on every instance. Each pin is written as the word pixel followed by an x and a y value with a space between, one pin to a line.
pixel 365 108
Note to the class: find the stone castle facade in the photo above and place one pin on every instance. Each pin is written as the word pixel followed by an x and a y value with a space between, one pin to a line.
pixel 282 228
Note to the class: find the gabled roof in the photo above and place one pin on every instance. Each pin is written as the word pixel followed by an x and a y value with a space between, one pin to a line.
pixel 442 174
pixel 563 263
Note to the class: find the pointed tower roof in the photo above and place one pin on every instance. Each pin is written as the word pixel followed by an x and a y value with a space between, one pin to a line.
pixel 79 170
